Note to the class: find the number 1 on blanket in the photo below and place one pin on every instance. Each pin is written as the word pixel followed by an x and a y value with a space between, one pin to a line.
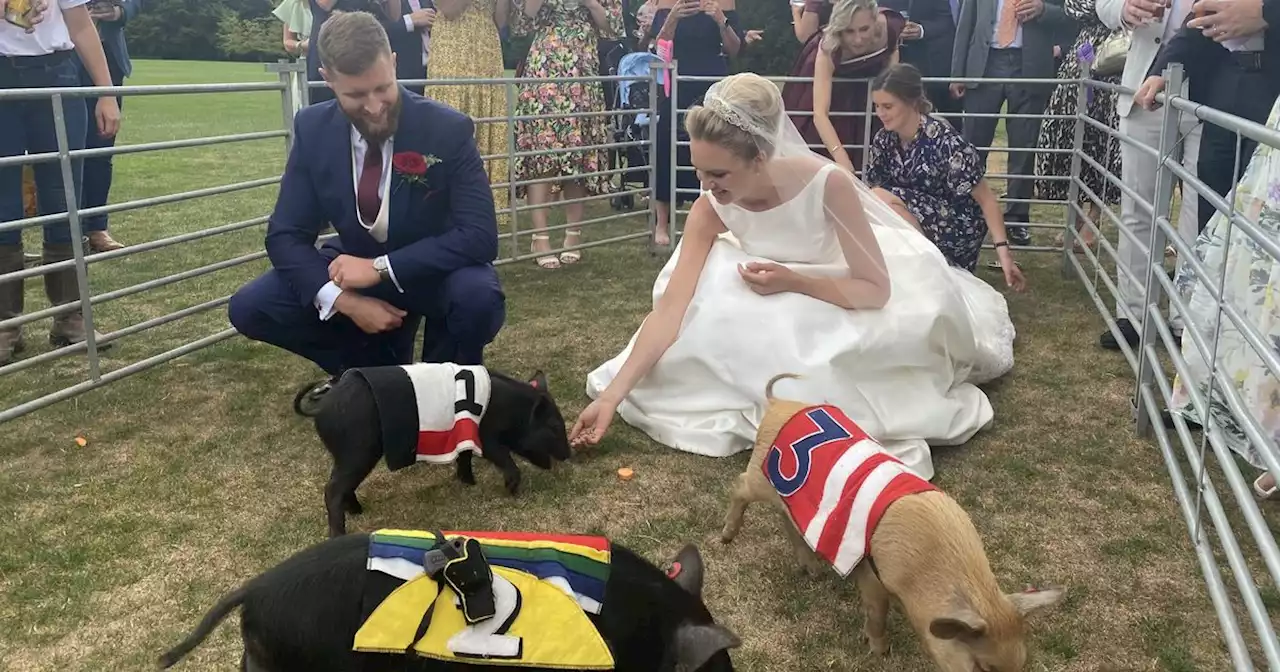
pixel 468 403
pixel 488 638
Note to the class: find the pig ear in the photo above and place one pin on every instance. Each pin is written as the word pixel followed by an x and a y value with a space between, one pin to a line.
pixel 539 381
pixel 686 570
pixel 696 644
pixel 961 624
pixel 1034 600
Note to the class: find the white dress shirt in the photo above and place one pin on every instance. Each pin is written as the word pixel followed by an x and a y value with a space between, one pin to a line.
pixel 50 35
pixel 378 228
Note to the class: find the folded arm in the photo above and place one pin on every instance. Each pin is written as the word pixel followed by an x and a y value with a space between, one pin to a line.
pixel 661 327
pixel 294 226
pixel 1111 13
pixel 867 284
pixel 472 237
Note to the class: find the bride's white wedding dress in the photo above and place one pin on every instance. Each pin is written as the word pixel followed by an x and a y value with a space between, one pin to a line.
pixel 905 373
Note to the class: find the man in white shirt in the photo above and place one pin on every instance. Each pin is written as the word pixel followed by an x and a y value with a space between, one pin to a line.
pixel 1152 22
pixel 41 56
pixel 401 180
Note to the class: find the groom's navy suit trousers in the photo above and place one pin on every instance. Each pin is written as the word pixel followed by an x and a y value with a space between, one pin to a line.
pixel 442 239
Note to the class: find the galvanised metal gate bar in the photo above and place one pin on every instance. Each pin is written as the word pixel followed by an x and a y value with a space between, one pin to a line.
pixel 1195 492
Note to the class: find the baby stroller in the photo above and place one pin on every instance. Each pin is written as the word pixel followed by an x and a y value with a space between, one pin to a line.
pixel 632 127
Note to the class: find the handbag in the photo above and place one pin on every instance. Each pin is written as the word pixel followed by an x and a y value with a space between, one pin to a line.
pixel 1111 54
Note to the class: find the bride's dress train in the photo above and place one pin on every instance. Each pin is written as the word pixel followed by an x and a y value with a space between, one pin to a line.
pixel 906 373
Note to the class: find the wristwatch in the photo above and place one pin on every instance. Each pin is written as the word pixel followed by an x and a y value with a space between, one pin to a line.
pixel 383 268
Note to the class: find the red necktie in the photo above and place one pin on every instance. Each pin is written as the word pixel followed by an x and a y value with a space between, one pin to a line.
pixel 368 198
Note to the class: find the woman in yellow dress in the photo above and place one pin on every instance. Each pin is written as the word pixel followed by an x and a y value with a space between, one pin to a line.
pixel 465 45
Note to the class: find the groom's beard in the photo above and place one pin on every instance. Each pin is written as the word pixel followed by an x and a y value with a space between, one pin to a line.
pixel 378 133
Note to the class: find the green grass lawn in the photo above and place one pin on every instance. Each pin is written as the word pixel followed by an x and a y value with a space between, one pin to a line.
pixel 197 475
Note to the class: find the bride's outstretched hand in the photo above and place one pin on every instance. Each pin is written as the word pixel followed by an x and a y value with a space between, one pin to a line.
pixel 764 277
pixel 592 423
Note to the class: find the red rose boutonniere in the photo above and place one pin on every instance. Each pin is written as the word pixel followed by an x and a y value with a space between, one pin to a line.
pixel 412 167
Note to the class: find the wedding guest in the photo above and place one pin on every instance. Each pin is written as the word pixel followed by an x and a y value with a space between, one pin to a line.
pixel 44 56
pixel 110 19
pixel 1059 134
pixel 465 45
pixel 1007 39
pixel 565 36
pixel 295 20
pixel 704 35
pixel 1150 23
pixel 1250 280
pixel 810 17
pixel 933 177
pixel 859 42
pixel 1231 52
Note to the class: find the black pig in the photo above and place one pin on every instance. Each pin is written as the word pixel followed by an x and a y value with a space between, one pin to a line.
pixel 303 614
pixel 522 418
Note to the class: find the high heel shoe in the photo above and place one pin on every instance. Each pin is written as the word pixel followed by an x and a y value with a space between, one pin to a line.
pixel 550 261
pixel 571 256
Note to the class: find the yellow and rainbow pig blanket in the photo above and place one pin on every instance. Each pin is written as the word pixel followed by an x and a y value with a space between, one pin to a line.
pixel 544 587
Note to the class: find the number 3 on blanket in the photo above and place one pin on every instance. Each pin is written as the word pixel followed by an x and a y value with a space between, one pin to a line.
pixel 488 638
pixel 801 452
pixel 467 404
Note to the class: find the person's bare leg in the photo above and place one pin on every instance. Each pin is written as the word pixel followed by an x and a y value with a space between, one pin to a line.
pixel 572 215
pixel 661 233
pixel 540 194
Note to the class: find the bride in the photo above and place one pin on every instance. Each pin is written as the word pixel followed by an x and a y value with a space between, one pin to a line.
pixel 789 264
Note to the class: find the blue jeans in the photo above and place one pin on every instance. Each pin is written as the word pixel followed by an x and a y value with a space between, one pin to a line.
pixel 28 126
pixel 97 170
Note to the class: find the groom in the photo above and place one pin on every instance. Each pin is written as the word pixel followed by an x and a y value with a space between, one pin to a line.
pixel 401 180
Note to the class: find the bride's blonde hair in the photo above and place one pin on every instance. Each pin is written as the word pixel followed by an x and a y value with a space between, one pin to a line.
pixel 740 113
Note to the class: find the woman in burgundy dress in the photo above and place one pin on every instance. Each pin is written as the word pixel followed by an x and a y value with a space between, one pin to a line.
pixel 858 42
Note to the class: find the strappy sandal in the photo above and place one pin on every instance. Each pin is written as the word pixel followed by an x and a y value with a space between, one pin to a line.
pixel 550 261
pixel 571 256
pixel 1264 493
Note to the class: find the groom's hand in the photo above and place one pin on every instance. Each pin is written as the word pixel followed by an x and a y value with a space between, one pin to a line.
pixel 373 316
pixel 350 272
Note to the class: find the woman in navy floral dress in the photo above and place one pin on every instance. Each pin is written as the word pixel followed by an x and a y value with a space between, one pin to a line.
pixel 924 170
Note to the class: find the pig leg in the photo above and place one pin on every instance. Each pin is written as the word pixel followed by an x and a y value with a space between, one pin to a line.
pixel 340 493
pixel 809 561
pixel 739 498
pixel 875 607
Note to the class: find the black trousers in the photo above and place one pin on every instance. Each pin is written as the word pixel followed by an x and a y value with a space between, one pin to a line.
pixel 1219 165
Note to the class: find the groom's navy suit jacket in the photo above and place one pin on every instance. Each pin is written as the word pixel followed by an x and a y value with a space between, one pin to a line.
pixel 432 229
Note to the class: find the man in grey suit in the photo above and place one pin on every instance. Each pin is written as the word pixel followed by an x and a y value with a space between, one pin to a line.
pixel 110 17
pixel 1006 39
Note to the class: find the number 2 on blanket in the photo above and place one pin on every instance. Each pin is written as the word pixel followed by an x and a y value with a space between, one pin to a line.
pixel 488 638
pixel 468 403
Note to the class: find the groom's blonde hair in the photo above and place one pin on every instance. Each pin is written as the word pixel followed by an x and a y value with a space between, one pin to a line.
pixel 744 119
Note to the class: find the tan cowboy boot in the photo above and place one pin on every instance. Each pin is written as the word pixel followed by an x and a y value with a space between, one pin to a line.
pixel 101 241
pixel 61 287
pixel 11 260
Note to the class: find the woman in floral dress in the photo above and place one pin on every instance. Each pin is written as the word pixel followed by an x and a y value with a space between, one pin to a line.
pixel 1251 285
pixel 465 45
pixel 922 168
pixel 1060 133
pixel 565 34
